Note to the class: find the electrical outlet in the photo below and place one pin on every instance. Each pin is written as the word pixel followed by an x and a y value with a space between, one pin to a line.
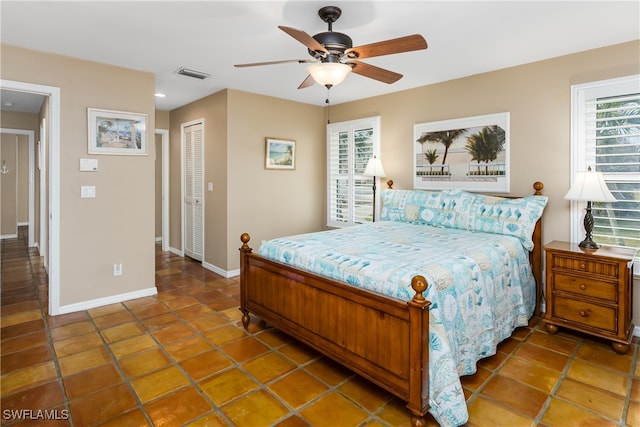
pixel 117 269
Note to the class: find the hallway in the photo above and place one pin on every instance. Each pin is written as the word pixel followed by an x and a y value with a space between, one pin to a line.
pixel 183 358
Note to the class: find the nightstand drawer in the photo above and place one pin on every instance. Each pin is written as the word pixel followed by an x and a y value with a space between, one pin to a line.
pixel 585 313
pixel 598 267
pixel 586 286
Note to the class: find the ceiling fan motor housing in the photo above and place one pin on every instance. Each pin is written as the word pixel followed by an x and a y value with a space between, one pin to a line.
pixel 336 43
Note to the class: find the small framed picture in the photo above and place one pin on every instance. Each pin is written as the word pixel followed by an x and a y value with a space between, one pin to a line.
pixel 117 132
pixel 280 154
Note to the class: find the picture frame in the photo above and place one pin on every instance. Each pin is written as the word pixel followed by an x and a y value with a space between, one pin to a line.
pixel 117 132
pixel 470 153
pixel 280 154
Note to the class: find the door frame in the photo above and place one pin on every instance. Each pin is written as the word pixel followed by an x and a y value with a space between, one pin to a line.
pixel 31 141
pixel 54 182
pixel 182 180
pixel 164 133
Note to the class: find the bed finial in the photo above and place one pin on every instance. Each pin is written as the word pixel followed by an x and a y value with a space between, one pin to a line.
pixel 244 238
pixel 538 186
pixel 419 284
pixel 390 184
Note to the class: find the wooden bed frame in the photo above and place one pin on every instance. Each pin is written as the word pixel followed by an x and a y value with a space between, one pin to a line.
pixel 354 327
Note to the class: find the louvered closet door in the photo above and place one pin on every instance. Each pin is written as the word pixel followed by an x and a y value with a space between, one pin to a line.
pixel 194 192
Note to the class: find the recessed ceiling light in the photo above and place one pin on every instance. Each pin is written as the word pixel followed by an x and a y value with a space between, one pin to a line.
pixel 192 73
pixel 160 95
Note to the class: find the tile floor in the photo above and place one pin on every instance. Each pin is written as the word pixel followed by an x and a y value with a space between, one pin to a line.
pixel 182 358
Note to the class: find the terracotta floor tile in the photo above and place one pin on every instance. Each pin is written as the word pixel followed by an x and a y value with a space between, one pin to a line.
pixel 177 408
pixel 559 412
pixel 255 409
pixel 210 420
pixel 225 334
pixel 137 303
pixel 297 388
pixel 299 352
pixel 396 414
pixel 542 356
pixel 598 376
pixel 144 362
pixel 606 357
pixel 205 364
pixel 134 418
pixel 473 382
pixel 45 396
pixel 633 414
pixel 513 394
pixel 173 333
pixel 161 321
pixel 245 349
pixel 154 308
pixel 26 358
pixel 102 406
pixel 24 342
pixel 181 302
pixel 635 390
pixel 485 413
pixel 30 377
pixel 193 311
pixel 188 347
pixel 113 319
pixel 121 332
pixel 106 309
pixel 593 398
pixel 206 323
pixel 365 394
pixel 268 367
pixel 66 319
pixel 530 373
pixel 492 362
pixel 508 345
pixel 157 383
pixel 293 421
pixel 24 328
pixel 557 343
pixel 72 330
pixel 328 371
pixel 22 317
pixel 343 412
pixel 84 360
pixel 133 345
pixel 227 386
pixel 273 337
pixel 92 380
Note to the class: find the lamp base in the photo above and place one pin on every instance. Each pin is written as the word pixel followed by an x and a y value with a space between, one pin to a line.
pixel 588 244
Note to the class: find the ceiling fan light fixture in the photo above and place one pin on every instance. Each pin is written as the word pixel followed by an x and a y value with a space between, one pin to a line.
pixel 329 73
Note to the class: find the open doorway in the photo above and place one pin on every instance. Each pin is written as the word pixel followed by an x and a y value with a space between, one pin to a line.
pixel 52 189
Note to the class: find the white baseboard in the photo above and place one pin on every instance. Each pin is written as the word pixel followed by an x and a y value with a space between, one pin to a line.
pixel 224 273
pixel 636 331
pixel 159 239
pixel 8 236
pixel 176 251
pixel 99 302
pixel 23 224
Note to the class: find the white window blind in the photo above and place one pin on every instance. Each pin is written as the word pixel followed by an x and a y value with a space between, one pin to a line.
pixel 606 136
pixel 350 145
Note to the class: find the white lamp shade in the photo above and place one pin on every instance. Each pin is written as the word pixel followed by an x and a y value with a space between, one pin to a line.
pixel 374 168
pixel 329 73
pixel 589 187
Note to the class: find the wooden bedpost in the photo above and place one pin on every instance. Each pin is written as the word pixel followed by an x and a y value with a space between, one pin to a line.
pixel 390 184
pixel 244 250
pixel 537 255
pixel 418 402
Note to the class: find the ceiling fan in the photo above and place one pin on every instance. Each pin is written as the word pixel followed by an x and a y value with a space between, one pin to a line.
pixel 334 55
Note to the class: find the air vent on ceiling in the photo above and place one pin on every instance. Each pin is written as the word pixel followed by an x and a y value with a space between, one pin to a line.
pixel 192 73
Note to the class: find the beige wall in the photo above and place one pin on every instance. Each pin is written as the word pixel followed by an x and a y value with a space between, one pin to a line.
pixel 116 226
pixel 9 184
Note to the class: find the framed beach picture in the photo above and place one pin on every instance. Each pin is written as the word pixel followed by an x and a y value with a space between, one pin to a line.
pixel 470 153
pixel 117 132
pixel 280 154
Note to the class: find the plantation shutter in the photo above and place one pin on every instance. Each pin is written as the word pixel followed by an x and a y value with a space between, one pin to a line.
pixel 350 145
pixel 607 124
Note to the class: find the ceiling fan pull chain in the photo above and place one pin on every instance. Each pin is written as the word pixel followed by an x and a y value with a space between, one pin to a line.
pixel 326 101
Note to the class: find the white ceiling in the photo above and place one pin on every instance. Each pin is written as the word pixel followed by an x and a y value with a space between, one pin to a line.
pixel 464 37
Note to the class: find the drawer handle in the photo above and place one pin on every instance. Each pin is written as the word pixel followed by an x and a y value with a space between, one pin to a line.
pixel 583 286
pixel 583 266
pixel 584 313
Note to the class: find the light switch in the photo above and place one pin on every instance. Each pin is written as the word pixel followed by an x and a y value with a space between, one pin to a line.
pixel 210 186
pixel 88 192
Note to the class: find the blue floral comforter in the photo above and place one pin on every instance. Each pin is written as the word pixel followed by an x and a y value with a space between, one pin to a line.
pixel 480 285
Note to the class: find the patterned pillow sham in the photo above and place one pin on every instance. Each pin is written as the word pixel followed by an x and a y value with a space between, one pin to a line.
pixel 412 206
pixel 511 217
pixel 456 206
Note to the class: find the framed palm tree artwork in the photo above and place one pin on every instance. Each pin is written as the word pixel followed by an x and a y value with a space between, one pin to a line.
pixel 470 153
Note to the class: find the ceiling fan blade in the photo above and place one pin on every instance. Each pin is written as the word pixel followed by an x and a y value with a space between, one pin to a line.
pixel 373 72
pixel 304 38
pixel 388 47
pixel 286 61
pixel 309 81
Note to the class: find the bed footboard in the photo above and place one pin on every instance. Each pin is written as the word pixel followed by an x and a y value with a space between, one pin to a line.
pixel 381 339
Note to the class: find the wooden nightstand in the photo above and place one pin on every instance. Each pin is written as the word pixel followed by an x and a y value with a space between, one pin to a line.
pixel 590 291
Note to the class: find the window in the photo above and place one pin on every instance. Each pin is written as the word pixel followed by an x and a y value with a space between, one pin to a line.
pixel 350 145
pixel 606 135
